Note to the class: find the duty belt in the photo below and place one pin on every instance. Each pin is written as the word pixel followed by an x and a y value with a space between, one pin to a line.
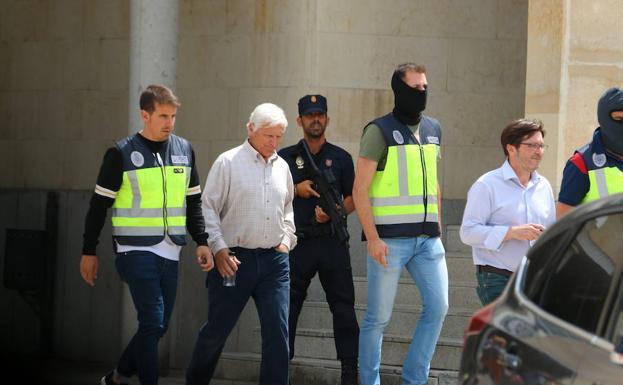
pixel 314 231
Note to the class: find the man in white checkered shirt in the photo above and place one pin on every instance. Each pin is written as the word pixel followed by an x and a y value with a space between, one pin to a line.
pixel 247 205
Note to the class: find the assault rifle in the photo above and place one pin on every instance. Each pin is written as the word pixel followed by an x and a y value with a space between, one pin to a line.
pixel 330 200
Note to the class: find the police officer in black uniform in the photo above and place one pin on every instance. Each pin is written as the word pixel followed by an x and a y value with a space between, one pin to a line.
pixel 318 250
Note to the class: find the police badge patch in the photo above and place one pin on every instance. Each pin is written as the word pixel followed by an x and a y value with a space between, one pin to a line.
pixel 328 162
pixel 398 137
pixel 137 159
pixel 179 159
pixel 299 162
pixel 599 159
pixel 432 139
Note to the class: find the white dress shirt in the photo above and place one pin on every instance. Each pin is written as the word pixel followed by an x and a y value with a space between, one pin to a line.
pixel 247 201
pixel 497 201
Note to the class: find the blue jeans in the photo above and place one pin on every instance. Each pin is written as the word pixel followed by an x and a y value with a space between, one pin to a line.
pixel 153 283
pixel 264 274
pixel 425 260
pixel 490 286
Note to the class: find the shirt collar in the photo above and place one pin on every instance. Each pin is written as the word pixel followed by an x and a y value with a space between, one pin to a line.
pixel 322 149
pixel 415 127
pixel 256 155
pixel 508 173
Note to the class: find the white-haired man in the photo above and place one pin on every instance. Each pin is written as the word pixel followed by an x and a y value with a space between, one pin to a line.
pixel 247 205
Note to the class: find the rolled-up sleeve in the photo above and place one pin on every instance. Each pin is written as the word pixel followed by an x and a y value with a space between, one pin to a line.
pixel 212 201
pixel 475 229
pixel 289 238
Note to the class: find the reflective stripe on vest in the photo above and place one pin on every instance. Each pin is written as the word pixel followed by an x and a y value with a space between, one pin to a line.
pixel 397 192
pixel 138 208
pixel 604 182
pixel 148 231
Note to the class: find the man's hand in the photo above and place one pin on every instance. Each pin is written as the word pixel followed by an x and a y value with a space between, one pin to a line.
pixel 321 216
pixel 88 268
pixel 528 232
pixel 205 258
pixel 282 248
pixel 378 249
pixel 305 189
pixel 226 264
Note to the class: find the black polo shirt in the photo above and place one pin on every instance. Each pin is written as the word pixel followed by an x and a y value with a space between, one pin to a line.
pixel 329 157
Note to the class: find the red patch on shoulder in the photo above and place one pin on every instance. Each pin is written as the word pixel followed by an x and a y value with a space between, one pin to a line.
pixel 578 161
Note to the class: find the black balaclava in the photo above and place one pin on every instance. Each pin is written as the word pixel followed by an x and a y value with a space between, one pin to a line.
pixel 611 130
pixel 408 102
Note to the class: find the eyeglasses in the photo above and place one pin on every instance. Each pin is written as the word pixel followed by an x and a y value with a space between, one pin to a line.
pixel 535 146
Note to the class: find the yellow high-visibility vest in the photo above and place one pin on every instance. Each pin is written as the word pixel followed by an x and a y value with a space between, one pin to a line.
pixel 403 195
pixel 152 199
pixel 604 177
pixel 604 182
pixel 398 194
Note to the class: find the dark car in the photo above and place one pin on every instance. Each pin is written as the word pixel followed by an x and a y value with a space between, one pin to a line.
pixel 560 319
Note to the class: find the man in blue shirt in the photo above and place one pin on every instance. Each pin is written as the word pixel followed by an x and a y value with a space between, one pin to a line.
pixel 603 155
pixel 319 251
pixel 508 208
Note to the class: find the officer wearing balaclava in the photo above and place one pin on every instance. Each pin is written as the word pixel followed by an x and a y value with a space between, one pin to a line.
pixel 596 169
pixel 409 102
pixel 397 201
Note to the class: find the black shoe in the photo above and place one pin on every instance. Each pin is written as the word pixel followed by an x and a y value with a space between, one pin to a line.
pixel 107 380
pixel 349 372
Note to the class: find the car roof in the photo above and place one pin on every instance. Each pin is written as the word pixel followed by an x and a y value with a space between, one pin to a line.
pixel 569 223
pixel 612 202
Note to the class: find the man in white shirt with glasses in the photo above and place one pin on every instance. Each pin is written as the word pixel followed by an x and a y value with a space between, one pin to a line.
pixel 508 208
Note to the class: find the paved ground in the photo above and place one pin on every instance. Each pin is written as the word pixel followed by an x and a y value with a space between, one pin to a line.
pixel 58 372
pixel 76 373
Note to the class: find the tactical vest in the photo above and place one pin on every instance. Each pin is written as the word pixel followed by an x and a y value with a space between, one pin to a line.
pixel 404 194
pixel 604 180
pixel 152 199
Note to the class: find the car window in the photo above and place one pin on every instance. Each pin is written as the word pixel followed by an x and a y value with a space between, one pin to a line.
pixel 618 322
pixel 616 319
pixel 577 283
pixel 541 262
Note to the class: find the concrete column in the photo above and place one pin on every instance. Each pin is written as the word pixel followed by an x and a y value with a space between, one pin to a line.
pixel 153 59
pixel 570 63
pixel 153 49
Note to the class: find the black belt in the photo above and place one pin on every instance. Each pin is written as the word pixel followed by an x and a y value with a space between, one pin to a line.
pixel 315 231
pixel 494 270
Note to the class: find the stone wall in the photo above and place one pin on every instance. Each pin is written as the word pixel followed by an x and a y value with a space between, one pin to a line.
pixel 277 51
pixel 63 87
pixel 64 76
pixel 573 59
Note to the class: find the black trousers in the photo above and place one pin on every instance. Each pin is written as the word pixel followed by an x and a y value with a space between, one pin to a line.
pixel 331 260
